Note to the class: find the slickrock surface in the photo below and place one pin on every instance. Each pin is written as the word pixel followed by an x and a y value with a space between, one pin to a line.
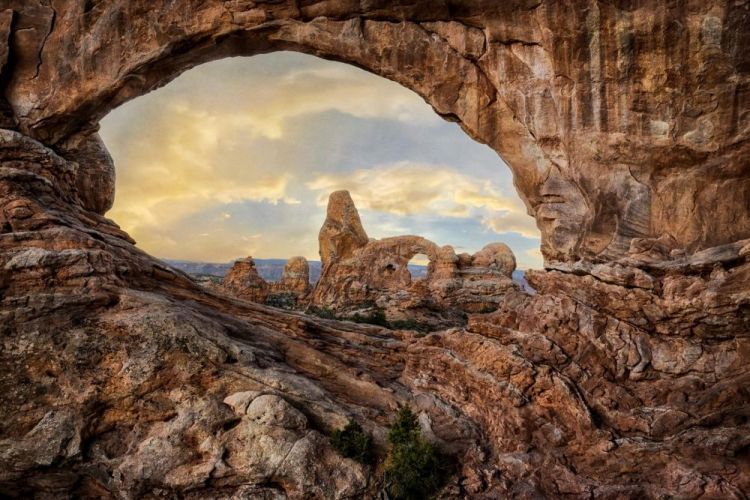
pixel 624 376
pixel 374 275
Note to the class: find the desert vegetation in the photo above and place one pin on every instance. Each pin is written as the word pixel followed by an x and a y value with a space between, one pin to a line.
pixel 413 469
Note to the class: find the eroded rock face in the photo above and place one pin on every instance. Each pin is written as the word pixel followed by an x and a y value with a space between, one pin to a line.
pixel 295 279
pixel 244 281
pixel 621 122
pixel 623 376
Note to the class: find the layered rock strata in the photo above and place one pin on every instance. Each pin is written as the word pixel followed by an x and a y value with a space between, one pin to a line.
pixel 243 281
pixel 609 114
pixel 295 279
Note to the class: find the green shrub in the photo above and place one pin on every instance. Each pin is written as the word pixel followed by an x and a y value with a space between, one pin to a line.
pixel 321 312
pixel 353 442
pixel 405 428
pixel 416 469
pixel 376 317
pixel 283 300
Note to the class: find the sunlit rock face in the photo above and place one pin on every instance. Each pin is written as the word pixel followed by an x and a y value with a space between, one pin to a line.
pixel 361 277
pixel 295 279
pixel 624 376
pixel 342 232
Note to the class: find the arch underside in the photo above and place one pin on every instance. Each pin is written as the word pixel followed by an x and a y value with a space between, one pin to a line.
pixel 625 125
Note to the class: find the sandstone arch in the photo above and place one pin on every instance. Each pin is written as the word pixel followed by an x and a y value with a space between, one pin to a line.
pixel 603 143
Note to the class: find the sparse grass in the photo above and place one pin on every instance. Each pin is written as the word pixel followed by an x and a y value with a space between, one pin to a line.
pixel 321 312
pixel 376 317
pixel 411 324
pixel 282 300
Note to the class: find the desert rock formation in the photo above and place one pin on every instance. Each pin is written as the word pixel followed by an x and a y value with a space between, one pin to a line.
pixel 342 232
pixel 374 275
pixel 295 279
pixel 624 376
pixel 609 114
pixel 244 282
pixel 362 277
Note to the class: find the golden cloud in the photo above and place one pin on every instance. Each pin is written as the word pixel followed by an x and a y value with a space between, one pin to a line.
pixel 185 163
pixel 406 188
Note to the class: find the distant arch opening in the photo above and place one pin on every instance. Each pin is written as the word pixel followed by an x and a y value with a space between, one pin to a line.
pixel 419 267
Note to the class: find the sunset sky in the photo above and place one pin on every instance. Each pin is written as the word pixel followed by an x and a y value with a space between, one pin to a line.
pixel 237 157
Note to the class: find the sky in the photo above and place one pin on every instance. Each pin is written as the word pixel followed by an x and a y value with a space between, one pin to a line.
pixel 237 157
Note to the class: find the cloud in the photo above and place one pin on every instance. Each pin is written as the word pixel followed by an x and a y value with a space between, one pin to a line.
pixel 530 259
pixel 406 188
pixel 216 135
pixel 185 163
pixel 342 88
pixel 512 222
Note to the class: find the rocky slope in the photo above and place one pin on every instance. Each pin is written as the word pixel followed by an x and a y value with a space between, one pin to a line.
pixel 624 376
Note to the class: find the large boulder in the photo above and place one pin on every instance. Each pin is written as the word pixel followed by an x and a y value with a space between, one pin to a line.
pixel 495 257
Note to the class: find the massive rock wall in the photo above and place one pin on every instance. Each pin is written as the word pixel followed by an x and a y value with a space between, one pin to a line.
pixel 624 376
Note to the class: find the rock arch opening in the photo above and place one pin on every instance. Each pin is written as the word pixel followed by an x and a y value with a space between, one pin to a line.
pixel 419 267
pixel 237 158
pixel 598 196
